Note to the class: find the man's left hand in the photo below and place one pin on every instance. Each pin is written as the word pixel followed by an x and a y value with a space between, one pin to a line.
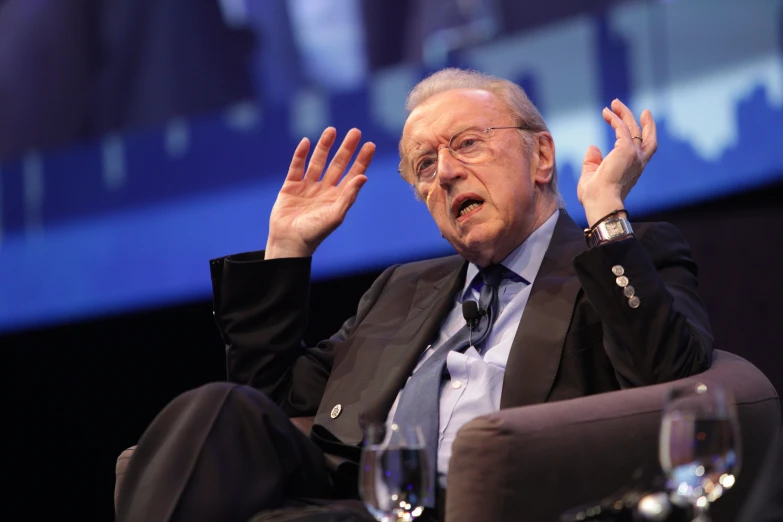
pixel 606 181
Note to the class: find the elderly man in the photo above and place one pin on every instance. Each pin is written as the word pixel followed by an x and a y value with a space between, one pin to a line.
pixel 532 309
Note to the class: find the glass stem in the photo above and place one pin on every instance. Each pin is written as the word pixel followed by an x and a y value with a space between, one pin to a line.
pixel 701 514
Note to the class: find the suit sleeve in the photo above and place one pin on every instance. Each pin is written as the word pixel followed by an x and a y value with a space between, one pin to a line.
pixel 668 336
pixel 261 308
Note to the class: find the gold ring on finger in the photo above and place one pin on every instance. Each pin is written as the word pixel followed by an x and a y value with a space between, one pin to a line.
pixel 637 138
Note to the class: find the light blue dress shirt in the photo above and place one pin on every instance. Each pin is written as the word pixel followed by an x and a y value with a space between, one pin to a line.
pixel 476 379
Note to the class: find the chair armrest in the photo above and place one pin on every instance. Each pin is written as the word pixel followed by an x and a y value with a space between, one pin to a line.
pixel 535 462
pixel 119 470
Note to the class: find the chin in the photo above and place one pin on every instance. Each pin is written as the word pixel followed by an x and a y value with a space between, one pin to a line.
pixel 481 243
pixel 480 237
pixel 473 248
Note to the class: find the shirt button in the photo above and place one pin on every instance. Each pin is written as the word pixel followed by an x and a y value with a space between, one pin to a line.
pixel 456 384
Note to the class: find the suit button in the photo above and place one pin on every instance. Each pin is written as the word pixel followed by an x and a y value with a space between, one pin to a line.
pixel 634 302
pixel 336 411
pixel 618 270
pixel 622 281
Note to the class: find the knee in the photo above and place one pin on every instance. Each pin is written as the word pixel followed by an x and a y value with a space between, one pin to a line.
pixel 206 393
pixel 225 392
pixel 219 388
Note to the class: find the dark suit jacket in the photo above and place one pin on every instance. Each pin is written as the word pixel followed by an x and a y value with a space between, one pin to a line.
pixel 577 336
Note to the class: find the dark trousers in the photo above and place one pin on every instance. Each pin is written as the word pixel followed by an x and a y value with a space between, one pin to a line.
pixel 222 452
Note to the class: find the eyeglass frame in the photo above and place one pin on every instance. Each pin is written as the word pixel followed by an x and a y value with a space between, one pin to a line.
pixel 448 145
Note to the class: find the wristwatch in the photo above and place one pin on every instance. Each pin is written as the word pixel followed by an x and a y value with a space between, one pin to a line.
pixel 609 230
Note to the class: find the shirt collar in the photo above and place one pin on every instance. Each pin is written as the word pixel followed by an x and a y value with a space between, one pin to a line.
pixel 525 260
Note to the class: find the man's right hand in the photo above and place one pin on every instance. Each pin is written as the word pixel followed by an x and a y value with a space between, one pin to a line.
pixel 308 210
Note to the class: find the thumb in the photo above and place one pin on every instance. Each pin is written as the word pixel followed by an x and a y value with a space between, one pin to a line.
pixel 593 156
pixel 349 194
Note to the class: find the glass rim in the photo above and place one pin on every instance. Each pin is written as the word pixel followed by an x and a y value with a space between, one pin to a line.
pixel 401 166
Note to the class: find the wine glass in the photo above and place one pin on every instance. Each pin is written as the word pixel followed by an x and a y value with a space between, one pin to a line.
pixel 393 475
pixel 699 445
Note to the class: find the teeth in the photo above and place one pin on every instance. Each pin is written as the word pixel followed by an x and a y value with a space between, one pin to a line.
pixel 469 208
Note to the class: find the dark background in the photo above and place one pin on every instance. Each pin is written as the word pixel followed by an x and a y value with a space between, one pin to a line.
pixel 84 392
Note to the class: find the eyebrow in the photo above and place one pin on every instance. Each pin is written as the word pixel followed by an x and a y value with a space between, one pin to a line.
pixel 413 156
pixel 410 160
pixel 416 156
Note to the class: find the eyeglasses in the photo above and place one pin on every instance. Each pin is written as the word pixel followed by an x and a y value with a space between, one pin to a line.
pixel 471 146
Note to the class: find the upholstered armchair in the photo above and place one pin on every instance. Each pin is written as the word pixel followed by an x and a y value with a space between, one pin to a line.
pixel 535 462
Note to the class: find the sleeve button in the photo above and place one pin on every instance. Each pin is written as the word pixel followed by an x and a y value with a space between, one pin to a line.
pixel 336 411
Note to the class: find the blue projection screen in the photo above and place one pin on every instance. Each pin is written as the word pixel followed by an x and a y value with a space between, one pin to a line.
pixel 130 221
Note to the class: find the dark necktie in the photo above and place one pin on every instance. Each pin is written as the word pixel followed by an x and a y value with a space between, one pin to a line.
pixel 420 399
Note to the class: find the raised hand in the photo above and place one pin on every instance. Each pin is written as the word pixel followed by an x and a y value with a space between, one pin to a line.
pixel 606 181
pixel 309 208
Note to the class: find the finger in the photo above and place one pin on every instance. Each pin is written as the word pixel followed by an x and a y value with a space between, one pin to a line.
pixel 628 118
pixel 350 192
pixel 296 169
pixel 342 157
pixel 621 131
pixel 593 156
pixel 649 135
pixel 321 152
pixel 361 163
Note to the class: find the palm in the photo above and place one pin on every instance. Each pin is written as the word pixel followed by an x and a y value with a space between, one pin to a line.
pixel 310 207
pixel 621 168
pixel 617 173
pixel 306 209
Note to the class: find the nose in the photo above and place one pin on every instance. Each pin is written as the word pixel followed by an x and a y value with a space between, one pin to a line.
pixel 449 167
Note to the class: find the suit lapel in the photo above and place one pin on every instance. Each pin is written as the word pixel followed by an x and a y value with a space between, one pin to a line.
pixel 538 344
pixel 432 300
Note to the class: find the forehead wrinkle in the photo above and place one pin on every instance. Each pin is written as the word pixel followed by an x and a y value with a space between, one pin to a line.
pixel 426 135
pixel 471 109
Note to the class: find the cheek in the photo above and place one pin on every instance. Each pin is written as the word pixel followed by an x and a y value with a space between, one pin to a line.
pixel 508 202
pixel 435 205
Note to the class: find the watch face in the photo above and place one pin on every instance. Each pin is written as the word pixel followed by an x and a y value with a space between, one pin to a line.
pixel 614 227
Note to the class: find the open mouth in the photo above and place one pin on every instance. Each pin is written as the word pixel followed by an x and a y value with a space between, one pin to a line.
pixel 468 206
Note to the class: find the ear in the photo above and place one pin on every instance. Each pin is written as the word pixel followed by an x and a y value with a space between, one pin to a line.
pixel 543 166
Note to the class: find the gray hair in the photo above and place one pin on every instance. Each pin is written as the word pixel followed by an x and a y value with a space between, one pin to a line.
pixel 512 95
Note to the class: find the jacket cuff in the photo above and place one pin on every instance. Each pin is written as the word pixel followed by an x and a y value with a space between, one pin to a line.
pixel 622 283
pixel 241 280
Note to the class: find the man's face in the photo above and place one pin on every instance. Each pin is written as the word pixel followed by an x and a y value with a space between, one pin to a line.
pixel 484 210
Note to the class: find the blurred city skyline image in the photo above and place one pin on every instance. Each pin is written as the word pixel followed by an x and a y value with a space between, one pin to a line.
pixel 198 185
